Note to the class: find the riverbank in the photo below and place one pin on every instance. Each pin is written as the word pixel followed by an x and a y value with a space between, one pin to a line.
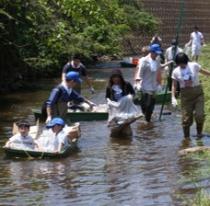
pixel 205 63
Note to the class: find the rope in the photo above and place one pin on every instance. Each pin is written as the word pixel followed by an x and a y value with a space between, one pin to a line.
pixel 178 30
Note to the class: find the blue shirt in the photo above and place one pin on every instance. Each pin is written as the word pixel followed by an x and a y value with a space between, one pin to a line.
pixel 59 93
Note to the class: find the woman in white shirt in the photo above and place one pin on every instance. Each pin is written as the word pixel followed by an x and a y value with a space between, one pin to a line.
pixel 192 97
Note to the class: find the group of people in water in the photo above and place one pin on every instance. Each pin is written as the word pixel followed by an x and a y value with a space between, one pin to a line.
pixel 148 82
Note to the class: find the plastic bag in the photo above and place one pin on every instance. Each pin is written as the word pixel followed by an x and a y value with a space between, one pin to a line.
pixel 123 111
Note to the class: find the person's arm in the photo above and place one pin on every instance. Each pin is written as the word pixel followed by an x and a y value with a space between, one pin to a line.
pixel 173 93
pixel 50 102
pixel 63 77
pixel 166 64
pixel 75 96
pixel 205 72
pixel 202 39
pixel 64 72
pixel 8 143
pixel 130 89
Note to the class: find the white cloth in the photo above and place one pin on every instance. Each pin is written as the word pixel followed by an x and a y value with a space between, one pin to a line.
pixel 50 142
pixel 19 142
pixel 148 74
pixel 174 101
pixel 191 72
pixel 123 110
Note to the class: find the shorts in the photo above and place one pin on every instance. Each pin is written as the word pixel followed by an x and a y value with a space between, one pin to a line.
pixel 196 50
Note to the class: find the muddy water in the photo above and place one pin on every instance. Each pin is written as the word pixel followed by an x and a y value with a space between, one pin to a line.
pixel 142 170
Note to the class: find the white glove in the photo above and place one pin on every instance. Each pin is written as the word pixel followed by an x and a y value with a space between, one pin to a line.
pixel 174 101
pixel 92 90
pixel 159 88
pixel 137 86
pixel 49 118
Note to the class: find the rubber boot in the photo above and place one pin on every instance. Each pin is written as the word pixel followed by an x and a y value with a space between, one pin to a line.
pixel 199 128
pixel 186 131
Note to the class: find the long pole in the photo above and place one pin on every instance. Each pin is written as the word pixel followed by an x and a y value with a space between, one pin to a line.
pixel 178 29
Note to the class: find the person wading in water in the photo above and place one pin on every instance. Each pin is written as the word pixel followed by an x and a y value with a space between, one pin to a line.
pixel 191 92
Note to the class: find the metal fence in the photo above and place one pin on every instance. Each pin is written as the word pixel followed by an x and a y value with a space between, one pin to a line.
pixel 167 11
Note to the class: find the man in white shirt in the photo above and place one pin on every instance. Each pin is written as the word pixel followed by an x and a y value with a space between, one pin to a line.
pixel 150 78
pixel 196 40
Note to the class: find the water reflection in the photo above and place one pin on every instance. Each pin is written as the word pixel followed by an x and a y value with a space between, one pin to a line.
pixel 143 169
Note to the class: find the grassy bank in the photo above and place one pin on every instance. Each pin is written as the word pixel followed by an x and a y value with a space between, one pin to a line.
pixel 205 63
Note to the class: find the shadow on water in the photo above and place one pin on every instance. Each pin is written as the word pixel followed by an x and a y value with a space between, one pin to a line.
pixel 144 169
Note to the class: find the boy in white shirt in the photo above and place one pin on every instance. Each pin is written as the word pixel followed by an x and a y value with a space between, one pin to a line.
pixel 56 141
pixel 22 140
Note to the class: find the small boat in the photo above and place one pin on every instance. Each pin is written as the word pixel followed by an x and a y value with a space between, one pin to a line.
pixel 10 152
pixel 74 134
pixel 77 116
pixel 129 62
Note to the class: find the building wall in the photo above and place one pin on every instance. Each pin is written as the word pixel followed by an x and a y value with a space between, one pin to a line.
pixel 195 13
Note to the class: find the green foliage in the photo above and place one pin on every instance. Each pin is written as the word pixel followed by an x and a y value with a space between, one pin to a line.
pixel 43 33
pixel 204 61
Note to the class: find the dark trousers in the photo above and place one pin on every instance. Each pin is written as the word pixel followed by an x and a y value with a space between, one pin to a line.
pixel 147 105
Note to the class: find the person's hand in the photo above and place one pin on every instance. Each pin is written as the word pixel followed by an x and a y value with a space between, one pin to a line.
pixel 174 102
pixel 92 105
pixel 49 118
pixel 92 90
pixel 137 86
pixel 159 88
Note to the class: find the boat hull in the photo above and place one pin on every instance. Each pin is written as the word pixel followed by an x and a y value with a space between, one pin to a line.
pixel 77 116
pixel 18 153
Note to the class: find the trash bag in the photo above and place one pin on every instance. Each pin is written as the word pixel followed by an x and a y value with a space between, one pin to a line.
pixel 122 112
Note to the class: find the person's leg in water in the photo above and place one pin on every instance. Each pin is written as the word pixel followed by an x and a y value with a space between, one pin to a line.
pixel 199 115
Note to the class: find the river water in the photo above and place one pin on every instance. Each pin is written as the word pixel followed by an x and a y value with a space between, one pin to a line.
pixel 143 170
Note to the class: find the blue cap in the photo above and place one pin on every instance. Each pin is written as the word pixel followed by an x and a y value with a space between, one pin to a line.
pixel 55 121
pixel 73 76
pixel 155 48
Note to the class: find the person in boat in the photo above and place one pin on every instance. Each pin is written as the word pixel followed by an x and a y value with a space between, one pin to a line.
pixel 59 140
pixel 56 105
pixel 149 80
pixel 191 93
pixel 76 66
pixel 22 140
